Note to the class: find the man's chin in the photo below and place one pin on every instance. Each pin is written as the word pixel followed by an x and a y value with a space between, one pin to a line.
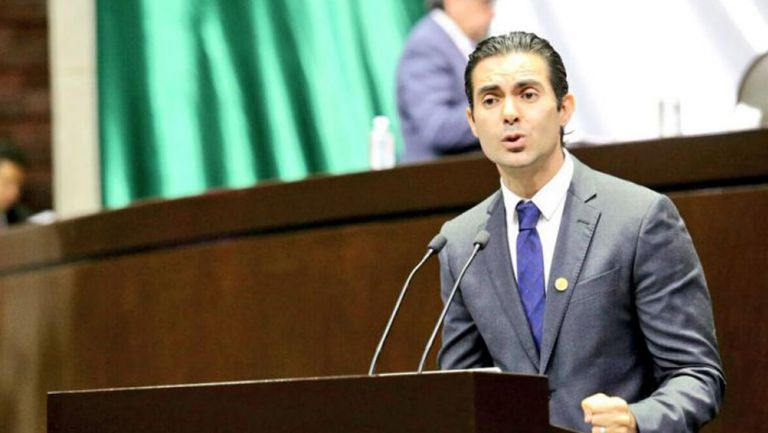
pixel 514 161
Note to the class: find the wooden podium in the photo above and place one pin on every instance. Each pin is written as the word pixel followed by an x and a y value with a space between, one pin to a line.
pixel 440 402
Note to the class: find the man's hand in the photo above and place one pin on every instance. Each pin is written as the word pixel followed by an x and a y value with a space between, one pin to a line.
pixel 608 414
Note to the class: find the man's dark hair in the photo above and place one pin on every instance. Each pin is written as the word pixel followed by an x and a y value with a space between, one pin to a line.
pixel 9 152
pixel 520 42
pixel 435 4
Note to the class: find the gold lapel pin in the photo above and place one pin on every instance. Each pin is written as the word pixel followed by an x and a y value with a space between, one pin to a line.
pixel 561 284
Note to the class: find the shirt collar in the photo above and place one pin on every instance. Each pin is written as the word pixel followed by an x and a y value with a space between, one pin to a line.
pixel 457 36
pixel 550 196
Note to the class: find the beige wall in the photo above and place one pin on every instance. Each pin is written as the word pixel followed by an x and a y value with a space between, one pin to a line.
pixel 76 180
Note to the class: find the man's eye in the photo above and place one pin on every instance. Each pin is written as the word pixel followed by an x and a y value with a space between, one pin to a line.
pixel 489 100
pixel 529 95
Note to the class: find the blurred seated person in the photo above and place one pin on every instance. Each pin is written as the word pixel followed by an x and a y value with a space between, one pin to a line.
pixel 431 101
pixel 13 171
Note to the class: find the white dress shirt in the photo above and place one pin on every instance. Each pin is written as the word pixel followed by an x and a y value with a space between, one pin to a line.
pixel 551 201
pixel 461 40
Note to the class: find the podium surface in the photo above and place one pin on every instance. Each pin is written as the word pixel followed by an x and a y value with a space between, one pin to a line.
pixel 446 402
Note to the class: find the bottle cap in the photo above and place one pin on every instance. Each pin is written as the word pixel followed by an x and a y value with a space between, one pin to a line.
pixel 381 122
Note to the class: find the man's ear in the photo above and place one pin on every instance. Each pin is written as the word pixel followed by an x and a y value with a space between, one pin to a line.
pixel 567 108
pixel 471 121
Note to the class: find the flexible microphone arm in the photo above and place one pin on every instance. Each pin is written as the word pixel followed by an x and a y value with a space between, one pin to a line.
pixel 437 244
pixel 481 240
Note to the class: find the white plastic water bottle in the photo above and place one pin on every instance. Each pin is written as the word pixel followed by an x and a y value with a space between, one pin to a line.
pixel 381 145
pixel 669 117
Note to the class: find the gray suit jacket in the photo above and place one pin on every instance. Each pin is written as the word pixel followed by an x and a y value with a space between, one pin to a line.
pixel 635 321
pixel 430 95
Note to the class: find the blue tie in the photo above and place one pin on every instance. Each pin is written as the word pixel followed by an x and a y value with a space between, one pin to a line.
pixel 530 268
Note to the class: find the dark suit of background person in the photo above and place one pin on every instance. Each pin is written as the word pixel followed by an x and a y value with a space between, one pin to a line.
pixel 430 81
pixel 634 319
pixel 16 215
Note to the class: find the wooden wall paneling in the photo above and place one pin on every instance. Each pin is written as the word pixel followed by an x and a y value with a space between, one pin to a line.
pixel 294 304
pixel 25 108
pixel 731 237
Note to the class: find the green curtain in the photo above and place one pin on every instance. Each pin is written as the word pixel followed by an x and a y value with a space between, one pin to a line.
pixel 195 94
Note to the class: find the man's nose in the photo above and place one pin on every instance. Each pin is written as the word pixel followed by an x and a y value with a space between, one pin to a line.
pixel 509 111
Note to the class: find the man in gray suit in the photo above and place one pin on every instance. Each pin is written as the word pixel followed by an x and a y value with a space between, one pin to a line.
pixel 430 78
pixel 588 279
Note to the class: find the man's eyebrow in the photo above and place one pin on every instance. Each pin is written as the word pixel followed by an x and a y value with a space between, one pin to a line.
pixel 487 88
pixel 528 83
pixel 518 85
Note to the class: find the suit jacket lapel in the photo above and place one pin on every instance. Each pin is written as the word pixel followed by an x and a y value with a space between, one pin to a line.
pixel 574 237
pixel 499 265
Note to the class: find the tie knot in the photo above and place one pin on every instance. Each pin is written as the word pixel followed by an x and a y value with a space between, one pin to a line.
pixel 527 215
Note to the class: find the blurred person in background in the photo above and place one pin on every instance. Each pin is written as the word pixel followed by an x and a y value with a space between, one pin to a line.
pixel 13 171
pixel 430 78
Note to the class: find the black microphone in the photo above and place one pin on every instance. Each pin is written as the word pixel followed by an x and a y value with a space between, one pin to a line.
pixel 434 247
pixel 481 240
